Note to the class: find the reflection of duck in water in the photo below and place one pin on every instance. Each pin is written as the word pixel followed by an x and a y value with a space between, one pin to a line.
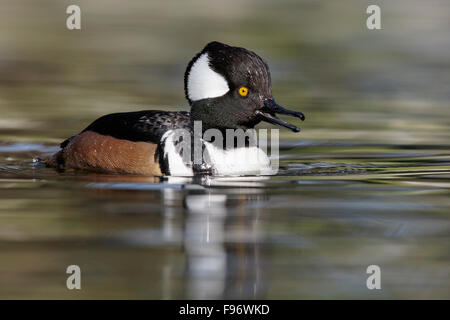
pixel 227 88
pixel 223 247
pixel 221 231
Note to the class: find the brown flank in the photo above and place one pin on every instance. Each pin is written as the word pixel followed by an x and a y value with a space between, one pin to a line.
pixel 93 151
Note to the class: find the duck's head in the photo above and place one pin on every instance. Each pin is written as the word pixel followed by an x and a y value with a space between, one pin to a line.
pixel 230 87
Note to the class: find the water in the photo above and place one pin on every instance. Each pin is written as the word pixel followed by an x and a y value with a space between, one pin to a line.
pixel 366 181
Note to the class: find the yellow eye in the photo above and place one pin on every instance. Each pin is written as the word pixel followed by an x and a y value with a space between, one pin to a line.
pixel 243 91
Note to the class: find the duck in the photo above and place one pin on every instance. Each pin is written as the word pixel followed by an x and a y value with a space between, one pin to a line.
pixel 228 89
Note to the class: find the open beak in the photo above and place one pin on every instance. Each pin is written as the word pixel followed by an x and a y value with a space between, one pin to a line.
pixel 267 114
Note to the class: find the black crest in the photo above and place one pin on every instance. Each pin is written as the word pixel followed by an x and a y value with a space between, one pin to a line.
pixel 236 65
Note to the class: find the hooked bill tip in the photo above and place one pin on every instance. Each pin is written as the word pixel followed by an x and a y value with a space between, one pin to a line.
pixel 301 116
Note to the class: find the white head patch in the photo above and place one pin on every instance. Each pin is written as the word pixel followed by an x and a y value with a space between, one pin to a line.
pixel 203 82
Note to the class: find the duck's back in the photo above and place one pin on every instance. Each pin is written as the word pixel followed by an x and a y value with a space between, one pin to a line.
pixel 127 142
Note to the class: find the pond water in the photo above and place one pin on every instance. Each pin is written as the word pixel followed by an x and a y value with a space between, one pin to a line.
pixel 366 182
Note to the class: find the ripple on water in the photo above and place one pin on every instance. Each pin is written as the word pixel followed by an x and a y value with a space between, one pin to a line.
pixel 332 210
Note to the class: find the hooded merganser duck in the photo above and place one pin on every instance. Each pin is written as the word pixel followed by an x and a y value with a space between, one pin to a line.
pixel 227 88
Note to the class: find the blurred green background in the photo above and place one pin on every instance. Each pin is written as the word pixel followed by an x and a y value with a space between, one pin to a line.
pixel 353 83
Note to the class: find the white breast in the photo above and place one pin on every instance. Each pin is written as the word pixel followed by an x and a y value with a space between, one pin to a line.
pixel 251 161
pixel 237 162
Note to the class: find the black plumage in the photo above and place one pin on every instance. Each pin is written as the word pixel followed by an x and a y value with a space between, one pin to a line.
pixel 146 126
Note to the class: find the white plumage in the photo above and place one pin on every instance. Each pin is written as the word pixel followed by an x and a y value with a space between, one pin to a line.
pixel 237 161
pixel 244 161
pixel 177 167
pixel 203 82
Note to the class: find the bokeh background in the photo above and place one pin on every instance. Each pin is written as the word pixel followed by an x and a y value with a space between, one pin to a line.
pixel 366 181
pixel 390 84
